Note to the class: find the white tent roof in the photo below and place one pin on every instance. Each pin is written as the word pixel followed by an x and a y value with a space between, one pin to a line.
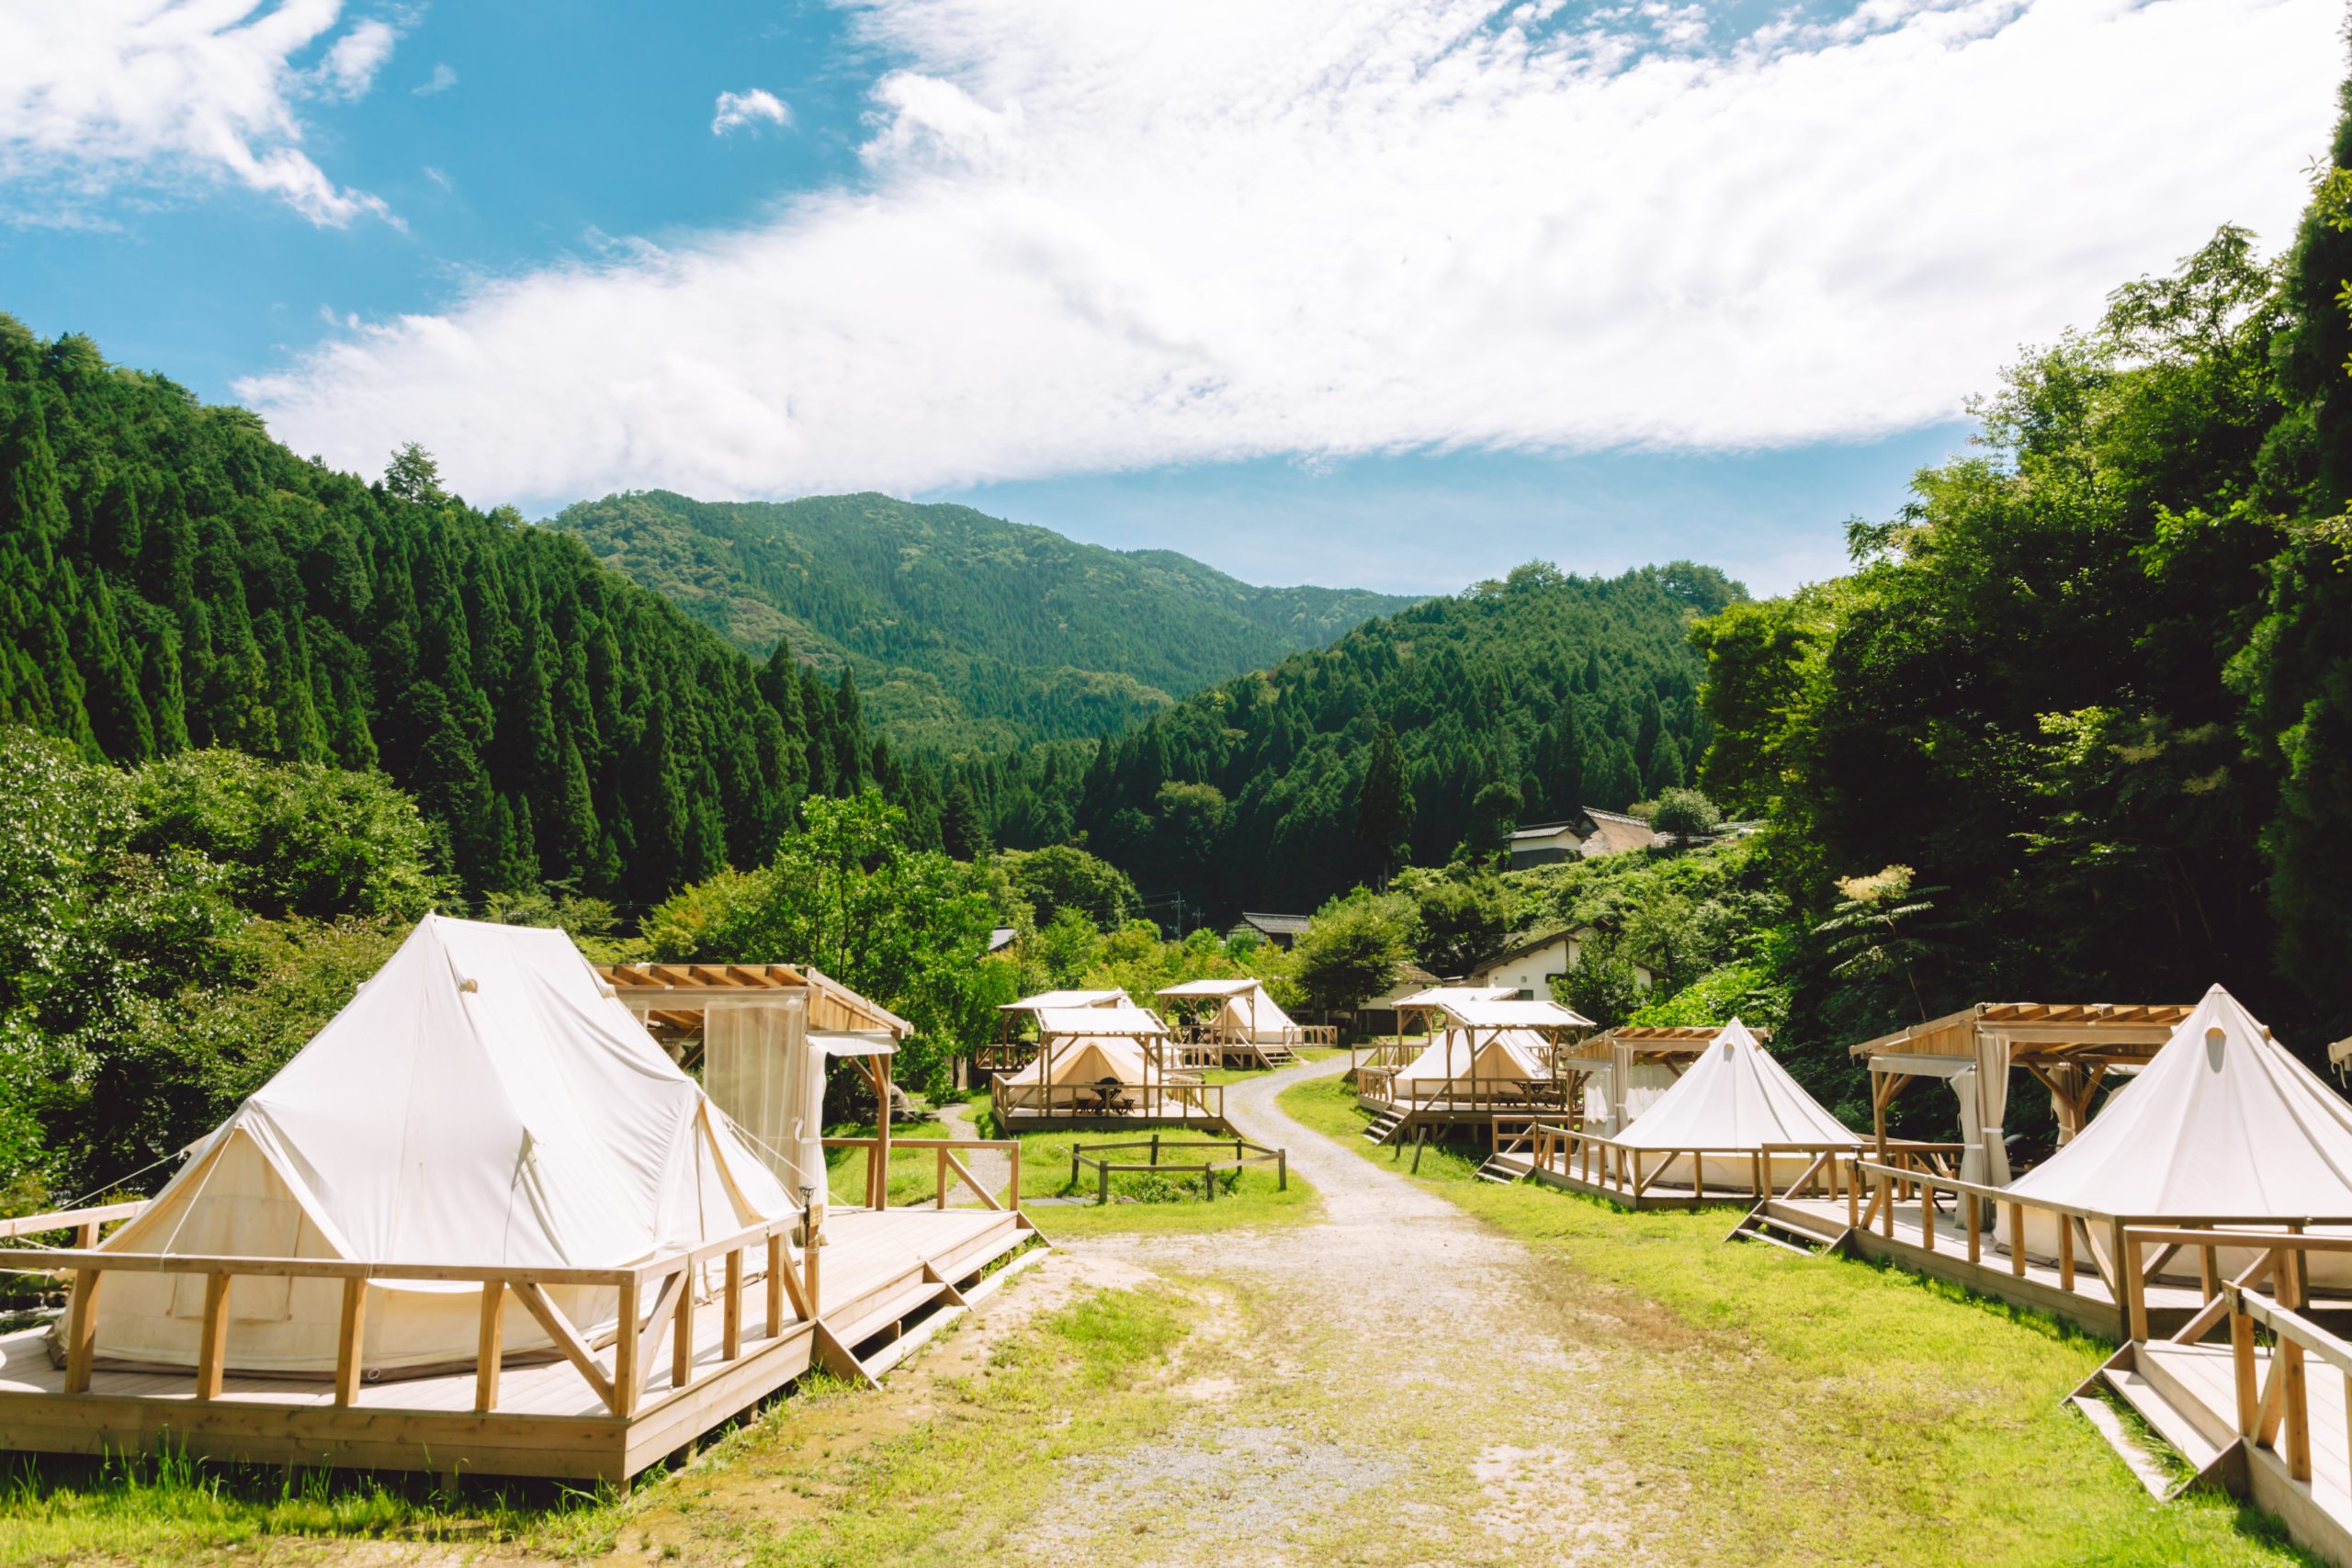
pixel 485 1099
pixel 1439 996
pixel 1233 987
pixel 1734 1096
pixel 1478 1014
pixel 2222 1121
pixel 1128 1021
pixel 1044 1000
pixel 1509 1056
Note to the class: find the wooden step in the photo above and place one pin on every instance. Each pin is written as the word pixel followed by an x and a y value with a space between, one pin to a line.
pixel 1782 1232
pixel 1383 1126
pixel 2214 1461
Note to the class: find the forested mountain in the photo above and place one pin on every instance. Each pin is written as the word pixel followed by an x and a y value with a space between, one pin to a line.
pixel 1518 700
pixel 171 577
pixel 963 631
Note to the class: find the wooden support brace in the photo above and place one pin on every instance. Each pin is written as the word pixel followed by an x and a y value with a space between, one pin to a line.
pixel 351 1329
pixel 81 1331
pixel 947 1291
pixel 489 1348
pixel 568 1340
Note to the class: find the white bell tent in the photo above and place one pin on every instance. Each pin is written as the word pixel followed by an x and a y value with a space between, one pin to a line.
pixel 484 1100
pixel 1733 1097
pixel 2224 1123
pixel 1245 1012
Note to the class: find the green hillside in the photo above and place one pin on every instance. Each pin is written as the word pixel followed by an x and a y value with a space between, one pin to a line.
pixel 963 631
pixel 1517 700
pixel 171 577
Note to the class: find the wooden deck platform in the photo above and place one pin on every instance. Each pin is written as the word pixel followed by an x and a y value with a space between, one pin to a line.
pixel 2090 1305
pixel 545 1419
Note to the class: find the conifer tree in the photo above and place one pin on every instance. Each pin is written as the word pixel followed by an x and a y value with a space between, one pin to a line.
pixel 1384 802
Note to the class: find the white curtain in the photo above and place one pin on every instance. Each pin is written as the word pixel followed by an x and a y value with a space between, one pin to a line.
pixel 759 1069
pixel 1983 1092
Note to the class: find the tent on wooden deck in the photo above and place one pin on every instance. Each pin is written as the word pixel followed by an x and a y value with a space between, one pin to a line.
pixel 484 1100
pixel 2223 1123
pixel 1245 1012
pixel 1499 1066
pixel 1734 1096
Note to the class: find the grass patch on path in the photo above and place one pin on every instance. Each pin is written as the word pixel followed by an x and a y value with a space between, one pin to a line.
pixel 1823 1410
pixel 1156 1205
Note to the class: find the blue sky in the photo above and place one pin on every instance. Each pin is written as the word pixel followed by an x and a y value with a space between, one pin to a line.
pixel 1388 292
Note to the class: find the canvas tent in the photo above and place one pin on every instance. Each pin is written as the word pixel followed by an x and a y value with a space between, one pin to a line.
pixel 1245 1012
pixel 1083 1046
pixel 1734 1096
pixel 2223 1123
pixel 1496 1064
pixel 484 1100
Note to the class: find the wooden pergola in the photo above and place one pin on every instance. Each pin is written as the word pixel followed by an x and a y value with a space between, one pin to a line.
pixel 2069 1048
pixel 757 1009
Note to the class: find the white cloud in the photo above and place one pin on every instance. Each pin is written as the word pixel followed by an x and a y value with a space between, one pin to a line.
pixel 440 177
pixel 1094 237
pixel 351 64
pixel 735 110
pixel 95 94
pixel 443 78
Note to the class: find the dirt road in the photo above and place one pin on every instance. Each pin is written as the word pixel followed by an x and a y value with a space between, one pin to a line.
pixel 1393 1382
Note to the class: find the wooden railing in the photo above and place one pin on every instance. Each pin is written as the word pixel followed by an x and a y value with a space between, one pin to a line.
pixel 1316 1034
pixel 667 1281
pixel 2273 1409
pixel 1616 1167
pixel 1379 1083
pixel 1974 1206
pixel 877 1177
pixel 1171 1098
pixel 1377 1054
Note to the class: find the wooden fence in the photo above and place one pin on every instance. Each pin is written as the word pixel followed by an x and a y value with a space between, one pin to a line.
pixel 1244 1154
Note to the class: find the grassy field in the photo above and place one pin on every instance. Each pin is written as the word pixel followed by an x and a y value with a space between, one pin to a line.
pixel 1827 1410
pixel 1144 1202
pixel 830 1476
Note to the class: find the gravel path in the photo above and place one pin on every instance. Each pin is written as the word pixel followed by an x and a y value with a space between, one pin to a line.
pixel 1395 1382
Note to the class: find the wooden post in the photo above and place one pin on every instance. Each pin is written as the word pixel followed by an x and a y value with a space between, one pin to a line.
pixel 2294 1394
pixel 775 1283
pixel 86 1237
pixel 351 1329
pixel 1015 1203
pixel 1853 1200
pixel 941 1163
pixel 489 1348
pixel 212 1349
pixel 627 1344
pixel 2135 1291
pixel 2242 1363
pixel 2208 1274
pixel 81 1331
pixel 1102 1183
pixel 2016 1242
pixel 1155 1148
pixel 1968 1216
pixel 731 1317
pixel 682 1332
pixel 2065 1252
pixel 808 1272
pixel 1282 1184
pixel 1927 1216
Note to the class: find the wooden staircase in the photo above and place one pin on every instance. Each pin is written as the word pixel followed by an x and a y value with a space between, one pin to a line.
pixel 1795 1231
pixel 1277 1055
pixel 1501 1175
pixel 2214 1452
pixel 1386 1126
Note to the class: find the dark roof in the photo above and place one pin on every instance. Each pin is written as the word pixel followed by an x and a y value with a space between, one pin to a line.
pixel 1544 830
pixel 1523 945
pixel 1274 925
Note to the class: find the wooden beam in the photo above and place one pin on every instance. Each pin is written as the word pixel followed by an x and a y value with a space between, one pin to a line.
pixel 212 1348
pixel 489 1348
pixel 731 1315
pixel 568 1340
pixel 351 1327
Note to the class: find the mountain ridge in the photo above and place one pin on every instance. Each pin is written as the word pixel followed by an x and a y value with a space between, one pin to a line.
pixel 963 631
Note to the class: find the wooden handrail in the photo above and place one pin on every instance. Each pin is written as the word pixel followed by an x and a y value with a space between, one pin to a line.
pixel 71 1219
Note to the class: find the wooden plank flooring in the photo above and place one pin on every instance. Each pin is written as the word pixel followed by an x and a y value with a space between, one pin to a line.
pixel 867 1266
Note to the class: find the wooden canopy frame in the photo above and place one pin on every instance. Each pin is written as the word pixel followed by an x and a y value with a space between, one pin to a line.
pixel 675 1002
pixel 2069 1048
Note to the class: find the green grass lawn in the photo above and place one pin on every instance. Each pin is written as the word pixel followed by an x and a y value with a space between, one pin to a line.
pixel 812 1479
pixel 1248 1196
pixel 1826 1410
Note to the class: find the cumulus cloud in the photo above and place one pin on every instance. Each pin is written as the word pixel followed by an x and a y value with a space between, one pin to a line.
pixel 443 78
pixel 98 93
pixel 1093 237
pixel 735 110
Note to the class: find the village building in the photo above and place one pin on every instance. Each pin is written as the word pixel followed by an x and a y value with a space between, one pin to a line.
pixel 1529 966
pixel 1587 835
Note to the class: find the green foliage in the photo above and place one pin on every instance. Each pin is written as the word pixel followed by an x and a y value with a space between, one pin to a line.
pixel 170 577
pixel 1746 991
pixel 1351 950
pixel 1602 984
pixel 852 895
pixel 1547 686
pixel 965 630
pixel 298 839
pixel 1061 877
pixel 1459 917
pixel 140 995
pixel 1685 815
